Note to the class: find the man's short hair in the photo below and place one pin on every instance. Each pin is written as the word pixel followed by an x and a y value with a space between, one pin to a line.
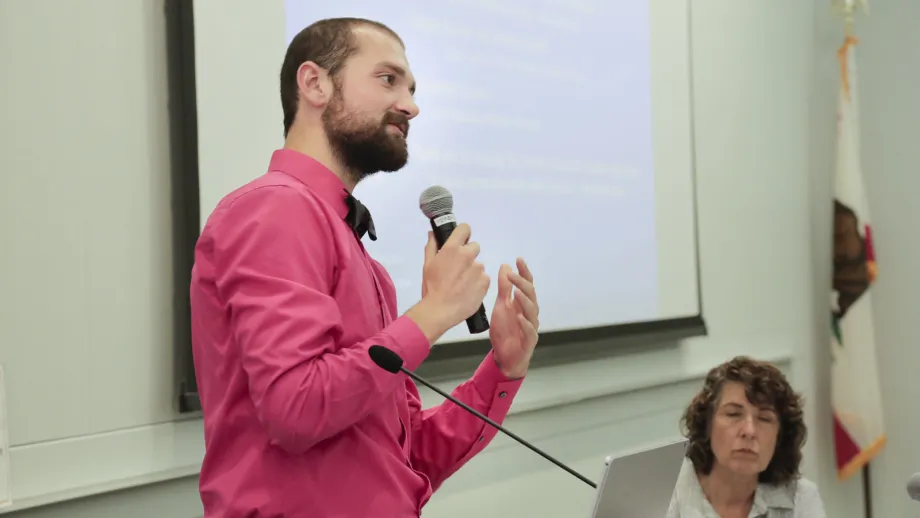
pixel 328 43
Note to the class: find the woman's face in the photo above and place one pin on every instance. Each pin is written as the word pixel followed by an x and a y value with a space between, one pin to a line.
pixel 742 436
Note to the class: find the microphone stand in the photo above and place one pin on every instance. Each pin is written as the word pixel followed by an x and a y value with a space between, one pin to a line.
pixel 497 426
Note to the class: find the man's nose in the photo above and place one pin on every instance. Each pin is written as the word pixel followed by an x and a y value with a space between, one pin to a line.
pixel 408 107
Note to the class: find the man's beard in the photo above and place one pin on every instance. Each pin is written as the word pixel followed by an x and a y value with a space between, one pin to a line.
pixel 363 145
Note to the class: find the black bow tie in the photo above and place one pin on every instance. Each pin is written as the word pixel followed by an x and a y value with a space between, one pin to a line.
pixel 359 218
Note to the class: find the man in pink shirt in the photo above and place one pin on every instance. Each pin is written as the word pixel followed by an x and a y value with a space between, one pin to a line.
pixel 299 422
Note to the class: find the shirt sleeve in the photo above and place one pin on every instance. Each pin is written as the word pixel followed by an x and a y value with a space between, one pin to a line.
pixel 275 261
pixel 445 437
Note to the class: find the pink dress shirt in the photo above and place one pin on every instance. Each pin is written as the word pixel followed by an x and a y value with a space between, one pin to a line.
pixel 298 421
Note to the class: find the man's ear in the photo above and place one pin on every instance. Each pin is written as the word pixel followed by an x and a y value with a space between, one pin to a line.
pixel 314 84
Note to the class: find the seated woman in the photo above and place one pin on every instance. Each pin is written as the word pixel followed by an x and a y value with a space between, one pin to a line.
pixel 745 430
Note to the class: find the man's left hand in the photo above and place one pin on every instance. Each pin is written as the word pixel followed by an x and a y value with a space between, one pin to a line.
pixel 515 320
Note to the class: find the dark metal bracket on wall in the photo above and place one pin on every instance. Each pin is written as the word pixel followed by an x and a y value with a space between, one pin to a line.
pixel 183 130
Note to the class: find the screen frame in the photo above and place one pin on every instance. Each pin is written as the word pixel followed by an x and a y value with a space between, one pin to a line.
pixel 446 361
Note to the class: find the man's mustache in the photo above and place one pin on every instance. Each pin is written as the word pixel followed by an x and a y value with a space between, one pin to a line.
pixel 399 120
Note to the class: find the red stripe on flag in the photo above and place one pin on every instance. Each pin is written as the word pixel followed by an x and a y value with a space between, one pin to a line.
pixel 870 247
pixel 844 445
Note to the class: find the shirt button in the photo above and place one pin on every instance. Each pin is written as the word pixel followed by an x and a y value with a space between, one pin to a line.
pixel 481 438
pixel 502 394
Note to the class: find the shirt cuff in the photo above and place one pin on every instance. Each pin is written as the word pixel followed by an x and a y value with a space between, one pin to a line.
pixel 488 379
pixel 408 341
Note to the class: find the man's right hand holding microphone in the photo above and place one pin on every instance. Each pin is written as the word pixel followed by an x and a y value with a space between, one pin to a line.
pixel 454 284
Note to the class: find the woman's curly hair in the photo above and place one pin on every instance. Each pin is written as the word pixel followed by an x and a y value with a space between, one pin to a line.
pixel 764 385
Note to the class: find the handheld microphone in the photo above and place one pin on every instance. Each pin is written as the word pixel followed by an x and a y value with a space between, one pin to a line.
pixel 913 487
pixel 389 361
pixel 437 204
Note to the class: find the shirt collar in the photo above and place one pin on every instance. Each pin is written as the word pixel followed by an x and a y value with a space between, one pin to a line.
pixel 317 177
pixel 769 496
pixel 766 497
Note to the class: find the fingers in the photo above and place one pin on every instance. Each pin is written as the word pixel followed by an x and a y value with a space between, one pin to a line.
pixel 525 295
pixel 531 336
pixel 459 237
pixel 431 248
pixel 486 282
pixel 527 308
pixel 524 285
pixel 471 249
pixel 504 283
pixel 524 270
pixel 478 276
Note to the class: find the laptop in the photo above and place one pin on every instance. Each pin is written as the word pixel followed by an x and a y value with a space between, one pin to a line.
pixel 639 484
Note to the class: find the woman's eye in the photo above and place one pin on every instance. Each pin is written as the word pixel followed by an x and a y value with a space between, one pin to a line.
pixel 389 78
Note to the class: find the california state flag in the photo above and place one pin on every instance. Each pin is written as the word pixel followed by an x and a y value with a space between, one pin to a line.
pixel 859 432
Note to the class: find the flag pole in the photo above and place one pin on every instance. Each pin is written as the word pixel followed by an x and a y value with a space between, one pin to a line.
pixel 848 10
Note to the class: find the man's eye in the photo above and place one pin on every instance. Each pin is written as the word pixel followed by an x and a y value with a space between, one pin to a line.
pixel 389 78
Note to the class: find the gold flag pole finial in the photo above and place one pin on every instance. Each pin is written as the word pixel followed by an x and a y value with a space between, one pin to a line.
pixel 848 8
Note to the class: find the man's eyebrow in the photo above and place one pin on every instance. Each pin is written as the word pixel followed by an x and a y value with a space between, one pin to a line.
pixel 400 71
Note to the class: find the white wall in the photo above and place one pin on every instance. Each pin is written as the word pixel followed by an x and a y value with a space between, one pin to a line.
pixel 889 69
pixel 84 155
pixel 85 183
pixel 86 330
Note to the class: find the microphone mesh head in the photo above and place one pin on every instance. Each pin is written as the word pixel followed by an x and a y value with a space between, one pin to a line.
pixel 436 201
